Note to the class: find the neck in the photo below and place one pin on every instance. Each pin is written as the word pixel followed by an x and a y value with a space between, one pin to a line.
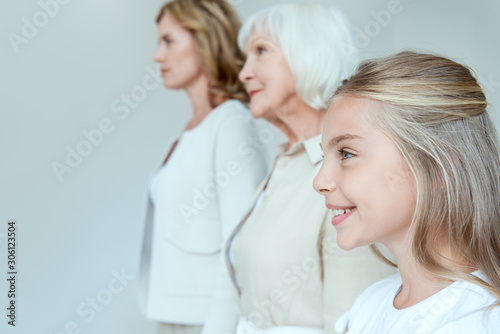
pixel 199 95
pixel 419 284
pixel 298 121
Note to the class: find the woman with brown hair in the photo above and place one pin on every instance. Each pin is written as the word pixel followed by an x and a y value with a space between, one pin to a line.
pixel 198 195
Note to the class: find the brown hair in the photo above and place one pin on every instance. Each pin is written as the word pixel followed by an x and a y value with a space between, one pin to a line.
pixel 214 25
pixel 435 111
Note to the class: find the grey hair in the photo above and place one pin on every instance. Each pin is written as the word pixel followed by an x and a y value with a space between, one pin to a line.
pixel 317 43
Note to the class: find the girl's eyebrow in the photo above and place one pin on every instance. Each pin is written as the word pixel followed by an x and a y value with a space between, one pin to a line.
pixel 337 140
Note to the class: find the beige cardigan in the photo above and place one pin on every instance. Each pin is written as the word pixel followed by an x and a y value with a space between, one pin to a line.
pixel 283 257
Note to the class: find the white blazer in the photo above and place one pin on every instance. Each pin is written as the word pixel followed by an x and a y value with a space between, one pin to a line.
pixel 195 202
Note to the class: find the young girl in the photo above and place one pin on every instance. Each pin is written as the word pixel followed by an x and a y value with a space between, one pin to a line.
pixel 412 161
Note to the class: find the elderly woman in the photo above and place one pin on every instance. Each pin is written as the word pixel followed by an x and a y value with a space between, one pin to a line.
pixel 200 193
pixel 288 271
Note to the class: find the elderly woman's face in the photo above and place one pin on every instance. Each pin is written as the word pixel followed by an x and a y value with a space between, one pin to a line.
pixel 267 77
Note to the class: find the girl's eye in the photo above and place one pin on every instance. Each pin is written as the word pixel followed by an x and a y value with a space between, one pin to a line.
pixel 345 155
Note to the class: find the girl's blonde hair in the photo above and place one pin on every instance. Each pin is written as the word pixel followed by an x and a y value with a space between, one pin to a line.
pixel 435 111
pixel 214 25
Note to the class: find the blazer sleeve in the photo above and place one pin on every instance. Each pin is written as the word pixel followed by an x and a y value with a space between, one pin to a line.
pixel 145 258
pixel 239 170
pixel 346 274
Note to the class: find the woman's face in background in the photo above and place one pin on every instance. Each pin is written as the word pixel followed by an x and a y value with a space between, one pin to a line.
pixel 177 55
pixel 267 77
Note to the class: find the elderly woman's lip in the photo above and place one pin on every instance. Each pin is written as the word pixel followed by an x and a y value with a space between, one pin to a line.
pixel 253 92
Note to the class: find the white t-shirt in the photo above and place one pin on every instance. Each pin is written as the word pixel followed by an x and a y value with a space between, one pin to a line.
pixel 459 308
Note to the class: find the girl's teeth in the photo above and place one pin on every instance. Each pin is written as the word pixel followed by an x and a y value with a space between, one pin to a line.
pixel 340 212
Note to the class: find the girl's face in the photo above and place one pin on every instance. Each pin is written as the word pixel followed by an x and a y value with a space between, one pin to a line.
pixel 267 77
pixel 177 54
pixel 365 180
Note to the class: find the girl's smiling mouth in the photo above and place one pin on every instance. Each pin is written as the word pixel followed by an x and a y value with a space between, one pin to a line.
pixel 340 213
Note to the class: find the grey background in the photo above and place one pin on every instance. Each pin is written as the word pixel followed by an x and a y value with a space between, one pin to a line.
pixel 73 235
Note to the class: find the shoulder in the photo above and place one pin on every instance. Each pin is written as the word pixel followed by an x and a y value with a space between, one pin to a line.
pixel 475 303
pixel 231 109
pixel 232 120
pixel 473 296
pixel 473 313
pixel 462 307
